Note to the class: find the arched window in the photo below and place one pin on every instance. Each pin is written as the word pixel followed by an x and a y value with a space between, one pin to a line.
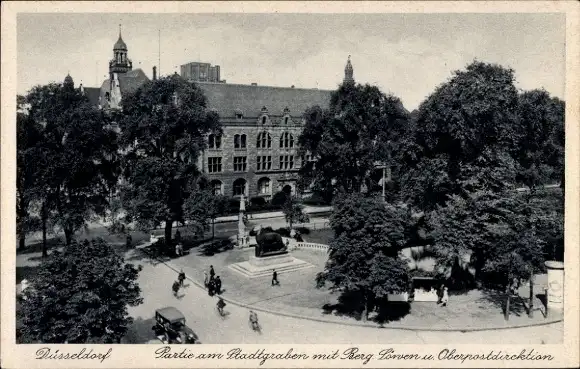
pixel 214 141
pixel 264 186
pixel 285 120
pixel 239 141
pixel 263 120
pixel 217 187
pixel 264 140
pixel 286 140
pixel 239 187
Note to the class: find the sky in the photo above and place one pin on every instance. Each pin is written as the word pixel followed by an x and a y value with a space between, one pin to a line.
pixel 407 55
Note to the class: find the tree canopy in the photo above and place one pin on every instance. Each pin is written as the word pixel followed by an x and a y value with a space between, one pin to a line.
pixel 539 149
pixel 362 126
pixel 80 295
pixel 73 158
pixel 163 131
pixel 459 142
pixel 294 211
pixel 363 255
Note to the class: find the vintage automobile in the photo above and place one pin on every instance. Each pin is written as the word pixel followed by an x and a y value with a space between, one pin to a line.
pixel 170 327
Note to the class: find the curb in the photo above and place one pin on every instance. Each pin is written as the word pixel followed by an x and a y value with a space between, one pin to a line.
pixel 355 324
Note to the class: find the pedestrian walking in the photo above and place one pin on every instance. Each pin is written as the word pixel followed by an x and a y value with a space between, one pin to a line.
pixel 275 278
pixel 445 298
pixel 440 294
pixel 205 279
pixel 175 288
pixel 218 285
pixel 211 272
pixel 211 287
pixel 181 277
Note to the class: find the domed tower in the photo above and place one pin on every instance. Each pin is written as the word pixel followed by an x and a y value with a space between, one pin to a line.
pixel 68 82
pixel 120 62
pixel 348 72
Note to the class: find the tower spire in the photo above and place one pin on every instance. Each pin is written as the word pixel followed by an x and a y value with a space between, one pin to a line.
pixel 348 72
pixel 119 30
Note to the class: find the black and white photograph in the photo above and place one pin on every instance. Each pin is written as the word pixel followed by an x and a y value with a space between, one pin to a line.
pixel 296 178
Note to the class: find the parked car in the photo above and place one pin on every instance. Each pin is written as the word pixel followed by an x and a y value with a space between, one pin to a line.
pixel 170 327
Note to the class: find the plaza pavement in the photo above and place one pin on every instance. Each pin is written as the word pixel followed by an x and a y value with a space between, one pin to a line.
pixel 156 279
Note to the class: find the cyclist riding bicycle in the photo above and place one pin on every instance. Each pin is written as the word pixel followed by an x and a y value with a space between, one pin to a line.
pixel 220 306
pixel 254 320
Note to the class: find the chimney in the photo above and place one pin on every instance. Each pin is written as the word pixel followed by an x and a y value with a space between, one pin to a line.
pixel 82 89
pixel 154 73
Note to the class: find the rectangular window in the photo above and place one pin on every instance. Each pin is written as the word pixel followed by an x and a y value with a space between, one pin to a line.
pixel 214 165
pixel 264 163
pixel 239 141
pixel 286 162
pixel 240 163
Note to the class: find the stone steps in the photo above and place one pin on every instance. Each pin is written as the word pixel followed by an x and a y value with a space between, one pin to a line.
pixel 252 271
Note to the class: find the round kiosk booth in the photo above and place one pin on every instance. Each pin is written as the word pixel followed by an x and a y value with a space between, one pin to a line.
pixel 555 296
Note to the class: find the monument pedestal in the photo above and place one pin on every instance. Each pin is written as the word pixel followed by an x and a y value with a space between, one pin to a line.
pixel 263 266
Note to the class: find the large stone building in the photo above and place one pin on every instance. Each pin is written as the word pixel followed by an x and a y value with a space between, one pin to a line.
pixel 257 154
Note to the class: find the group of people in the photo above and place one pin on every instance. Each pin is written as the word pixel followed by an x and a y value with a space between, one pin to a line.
pixel 213 283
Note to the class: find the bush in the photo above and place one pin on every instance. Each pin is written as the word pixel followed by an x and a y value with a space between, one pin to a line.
pixel 279 198
pixel 315 199
pixel 258 201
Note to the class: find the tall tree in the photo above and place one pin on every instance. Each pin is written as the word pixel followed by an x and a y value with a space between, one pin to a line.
pixel 362 126
pixel 204 206
pixel 539 148
pixel 75 158
pixel 164 127
pixel 294 211
pixel 363 255
pixel 29 138
pixel 459 142
pixel 80 295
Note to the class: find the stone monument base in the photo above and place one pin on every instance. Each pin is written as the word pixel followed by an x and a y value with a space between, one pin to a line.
pixel 262 267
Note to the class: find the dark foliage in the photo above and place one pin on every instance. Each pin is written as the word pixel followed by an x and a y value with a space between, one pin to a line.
pixel 80 295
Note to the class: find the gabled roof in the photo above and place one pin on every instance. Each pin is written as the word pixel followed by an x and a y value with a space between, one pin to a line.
pixel 227 99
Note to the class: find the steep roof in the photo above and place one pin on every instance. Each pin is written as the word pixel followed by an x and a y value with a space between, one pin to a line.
pixel 227 99
pixel 128 82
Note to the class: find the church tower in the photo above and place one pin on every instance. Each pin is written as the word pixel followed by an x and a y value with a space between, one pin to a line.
pixel 348 72
pixel 120 63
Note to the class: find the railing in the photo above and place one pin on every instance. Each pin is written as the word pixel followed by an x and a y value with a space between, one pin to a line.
pixel 312 246
pixel 313 226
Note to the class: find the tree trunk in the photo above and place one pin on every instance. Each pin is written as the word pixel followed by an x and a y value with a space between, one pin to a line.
pixel 21 241
pixel 365 313
pixel 507 305
pixel 68 234
pixel 531 307
pixel 44 220
pixel 168 227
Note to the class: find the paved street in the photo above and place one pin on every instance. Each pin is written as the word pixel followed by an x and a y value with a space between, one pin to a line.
pixel 200 311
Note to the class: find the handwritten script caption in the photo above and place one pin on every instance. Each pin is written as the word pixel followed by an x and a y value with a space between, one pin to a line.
pixel 351 354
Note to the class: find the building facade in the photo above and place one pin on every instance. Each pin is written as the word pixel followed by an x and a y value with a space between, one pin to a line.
pixel 257 152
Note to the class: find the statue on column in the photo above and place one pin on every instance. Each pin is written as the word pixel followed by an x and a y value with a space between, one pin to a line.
pixel 242 239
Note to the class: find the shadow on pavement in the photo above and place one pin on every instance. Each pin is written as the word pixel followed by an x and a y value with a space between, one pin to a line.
pixel 498 298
